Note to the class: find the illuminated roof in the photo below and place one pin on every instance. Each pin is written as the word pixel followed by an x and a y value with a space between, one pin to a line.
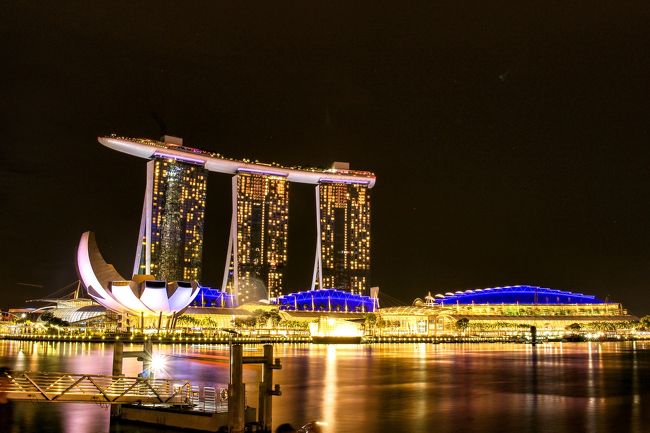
pixel 146 148
pixel 408 309
pixel 209 297
pixel 327 300
pixel 79 314
pixel 520 294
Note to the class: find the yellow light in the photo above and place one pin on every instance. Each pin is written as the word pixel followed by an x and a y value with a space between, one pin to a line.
pixel 158 363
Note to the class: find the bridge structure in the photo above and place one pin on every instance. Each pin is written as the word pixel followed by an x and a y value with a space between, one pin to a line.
pixel 88 388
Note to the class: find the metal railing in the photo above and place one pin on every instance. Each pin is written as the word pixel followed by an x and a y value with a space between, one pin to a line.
pixel 71 387
pixel 209 399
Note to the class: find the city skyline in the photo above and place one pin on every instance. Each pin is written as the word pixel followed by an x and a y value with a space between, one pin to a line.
pixel 511 143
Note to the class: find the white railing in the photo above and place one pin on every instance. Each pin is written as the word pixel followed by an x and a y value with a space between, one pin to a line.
pixel 71 387
pixel 210 399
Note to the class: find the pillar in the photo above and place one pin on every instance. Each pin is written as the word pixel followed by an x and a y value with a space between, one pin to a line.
pixel 236 390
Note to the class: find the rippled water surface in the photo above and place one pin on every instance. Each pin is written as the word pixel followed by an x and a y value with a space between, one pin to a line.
pixel 556 387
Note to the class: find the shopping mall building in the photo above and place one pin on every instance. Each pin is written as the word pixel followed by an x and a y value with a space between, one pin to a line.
pixel 506 310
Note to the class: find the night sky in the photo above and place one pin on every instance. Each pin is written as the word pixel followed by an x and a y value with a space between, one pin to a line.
pixel 510 139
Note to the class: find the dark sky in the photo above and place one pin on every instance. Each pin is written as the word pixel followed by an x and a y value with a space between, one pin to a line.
pixel 510 139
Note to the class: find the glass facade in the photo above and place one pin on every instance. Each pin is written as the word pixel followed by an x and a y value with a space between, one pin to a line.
pixel 262 232
pixel 172 223
pixel 345 236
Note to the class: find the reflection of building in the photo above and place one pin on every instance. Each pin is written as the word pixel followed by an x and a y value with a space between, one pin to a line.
pixel 171 231
pixel 343 250
pixel 258 245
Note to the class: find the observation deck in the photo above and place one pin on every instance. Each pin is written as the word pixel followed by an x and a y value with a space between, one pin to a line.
pixel 147 148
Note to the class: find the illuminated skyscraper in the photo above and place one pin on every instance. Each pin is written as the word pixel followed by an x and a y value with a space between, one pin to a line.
pixel 171 231
pixel 257 253
pixel 343 239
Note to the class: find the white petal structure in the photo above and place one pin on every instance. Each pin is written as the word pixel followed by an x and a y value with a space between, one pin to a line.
pixel 106 286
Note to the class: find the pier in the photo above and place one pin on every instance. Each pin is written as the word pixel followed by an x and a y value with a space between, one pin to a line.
pixel 165 402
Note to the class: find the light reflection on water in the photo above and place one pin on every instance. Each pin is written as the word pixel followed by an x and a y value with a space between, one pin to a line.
pixel 570 387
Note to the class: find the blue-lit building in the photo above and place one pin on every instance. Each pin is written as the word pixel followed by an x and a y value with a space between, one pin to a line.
pixel 520 294
pixel 209 297
pixel 330 300
pixel 508 310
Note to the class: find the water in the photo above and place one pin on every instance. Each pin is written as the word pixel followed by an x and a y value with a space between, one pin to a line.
pixel 559 388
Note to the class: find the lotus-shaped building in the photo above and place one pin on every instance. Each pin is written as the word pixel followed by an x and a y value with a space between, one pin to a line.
pixel 142 296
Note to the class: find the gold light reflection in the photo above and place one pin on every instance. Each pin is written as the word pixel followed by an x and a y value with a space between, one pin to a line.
pixel 330 396
pixel 79 419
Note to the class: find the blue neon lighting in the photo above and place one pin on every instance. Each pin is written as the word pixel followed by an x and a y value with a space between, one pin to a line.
pixel 209 297
pixel 521 294
pixel 327 300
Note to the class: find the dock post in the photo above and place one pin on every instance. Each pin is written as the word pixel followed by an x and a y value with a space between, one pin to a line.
pixel 118 357
pixel 261 407
pixel 266 389
pixel 236 398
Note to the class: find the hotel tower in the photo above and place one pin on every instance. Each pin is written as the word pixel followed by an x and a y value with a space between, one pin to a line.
pixel 257 253
pixel 171 230
pixel 343 244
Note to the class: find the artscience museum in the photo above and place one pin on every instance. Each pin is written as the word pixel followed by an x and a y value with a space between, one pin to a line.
pixel 143 296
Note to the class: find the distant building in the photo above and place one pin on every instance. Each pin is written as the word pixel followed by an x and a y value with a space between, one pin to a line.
pixel 171 230
pixel 209 297
pixel 328 300
pixel 511 295
pixel 343 250
pixel 258 245
pixel 503 311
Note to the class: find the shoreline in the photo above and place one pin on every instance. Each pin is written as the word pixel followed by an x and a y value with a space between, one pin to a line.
pixel 296 339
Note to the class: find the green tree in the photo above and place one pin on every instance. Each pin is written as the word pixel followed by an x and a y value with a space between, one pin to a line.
pixel 274 316
pixel 573 327
pixel 462 324
pixel 645 322
pixel 249 322
pixel 370 320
